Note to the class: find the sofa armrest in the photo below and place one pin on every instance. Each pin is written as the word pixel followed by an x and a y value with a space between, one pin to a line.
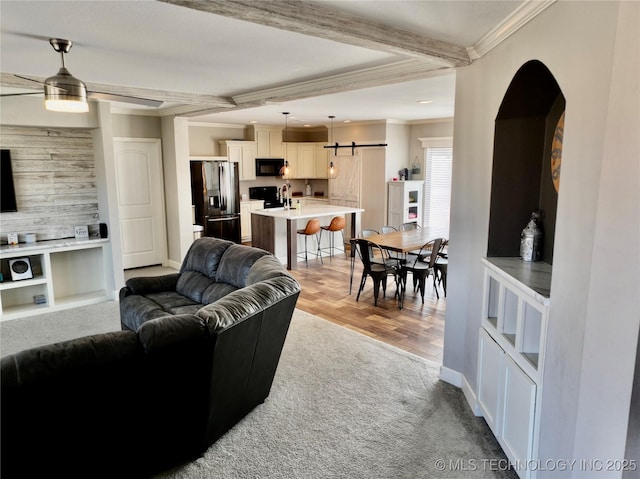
pixel 152 284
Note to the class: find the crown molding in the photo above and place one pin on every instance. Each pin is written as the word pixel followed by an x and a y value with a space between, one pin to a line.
pixel 520 17
pixel 401 71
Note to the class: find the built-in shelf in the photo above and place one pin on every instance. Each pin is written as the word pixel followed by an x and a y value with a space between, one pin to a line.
pixel 67 272
pixel 511 352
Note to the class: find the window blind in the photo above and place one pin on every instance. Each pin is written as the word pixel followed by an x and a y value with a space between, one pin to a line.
pixel 437 198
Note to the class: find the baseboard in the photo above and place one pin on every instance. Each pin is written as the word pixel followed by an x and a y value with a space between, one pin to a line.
pixel 471 397
pixel 458 380
pixel 450 376
pixel 172 264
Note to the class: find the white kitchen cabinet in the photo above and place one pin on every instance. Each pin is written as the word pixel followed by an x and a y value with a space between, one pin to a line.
pixel 245 217
pixel 68 273
pixel 243 153
pixel 321 161
pixel 404 202
pixel 301 158
pixel 511 354
pixel 268 141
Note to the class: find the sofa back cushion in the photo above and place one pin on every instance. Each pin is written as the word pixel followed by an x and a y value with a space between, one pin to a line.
pixel 266 267
pixel 204 256
pixel 200 266
pixel 235 264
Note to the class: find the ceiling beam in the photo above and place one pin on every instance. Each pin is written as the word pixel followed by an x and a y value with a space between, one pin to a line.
pixel 318 21
pixel 397 72
pixel 211 101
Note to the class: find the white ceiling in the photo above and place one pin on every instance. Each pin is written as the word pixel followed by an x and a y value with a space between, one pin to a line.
pixel 312 73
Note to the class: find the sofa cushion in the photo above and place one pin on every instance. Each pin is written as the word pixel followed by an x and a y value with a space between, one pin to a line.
pixel 215 291
pixel 235 264
pixel 193 284
pixel 265 268
pixel 204 256
pixel 135 310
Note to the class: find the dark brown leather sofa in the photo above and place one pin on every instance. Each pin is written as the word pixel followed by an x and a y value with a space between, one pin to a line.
pixel 135 402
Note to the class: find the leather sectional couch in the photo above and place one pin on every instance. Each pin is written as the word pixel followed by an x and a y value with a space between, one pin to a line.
pixel 132 403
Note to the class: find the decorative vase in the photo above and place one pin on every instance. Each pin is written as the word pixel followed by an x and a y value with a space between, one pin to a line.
pixel 531 239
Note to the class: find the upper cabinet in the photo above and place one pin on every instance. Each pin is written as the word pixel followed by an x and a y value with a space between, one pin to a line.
pixel 243 153
pixel 268 141
pixel 308 160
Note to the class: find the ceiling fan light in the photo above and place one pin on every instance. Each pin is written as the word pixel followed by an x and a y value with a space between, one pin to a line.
pixel 63 92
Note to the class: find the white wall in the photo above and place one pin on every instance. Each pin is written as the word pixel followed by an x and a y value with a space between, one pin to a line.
pixel 575 40
pixel 177 187
pixel 430 129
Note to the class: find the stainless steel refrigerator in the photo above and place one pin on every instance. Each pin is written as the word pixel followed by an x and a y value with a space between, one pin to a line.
pixel 215 193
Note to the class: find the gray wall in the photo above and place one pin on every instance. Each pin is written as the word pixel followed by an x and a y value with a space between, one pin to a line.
pixel 592 50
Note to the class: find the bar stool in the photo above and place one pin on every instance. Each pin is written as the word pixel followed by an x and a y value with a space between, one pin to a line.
pixel 312 228
pixel 337 224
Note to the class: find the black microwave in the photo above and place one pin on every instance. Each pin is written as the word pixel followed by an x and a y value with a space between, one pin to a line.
pixel 269 166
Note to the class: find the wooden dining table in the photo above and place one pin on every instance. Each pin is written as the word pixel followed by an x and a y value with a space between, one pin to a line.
pixel 402 242
pixel 406 241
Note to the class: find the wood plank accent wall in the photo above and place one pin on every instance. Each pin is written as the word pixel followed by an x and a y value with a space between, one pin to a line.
pixel 55 180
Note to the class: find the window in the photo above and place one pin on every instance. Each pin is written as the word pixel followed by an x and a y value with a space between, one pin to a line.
pixel 437 197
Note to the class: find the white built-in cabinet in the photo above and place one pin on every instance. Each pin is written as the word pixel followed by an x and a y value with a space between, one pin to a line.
pixel 511 354
pixel 243 153
pixel 404 202
pixel 245 217
pixel 67 272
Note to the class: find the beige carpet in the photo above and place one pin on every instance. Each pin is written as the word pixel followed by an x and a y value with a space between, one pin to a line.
pixel 342 406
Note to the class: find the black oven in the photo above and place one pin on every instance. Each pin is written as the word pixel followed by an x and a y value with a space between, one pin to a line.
pixel 269 166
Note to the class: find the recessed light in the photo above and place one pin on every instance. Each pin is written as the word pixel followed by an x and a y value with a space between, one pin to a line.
pixel 307 125
pixel 253 121
pixel 425 102
pixel 347 121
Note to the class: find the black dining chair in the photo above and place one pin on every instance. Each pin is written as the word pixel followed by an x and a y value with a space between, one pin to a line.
pixel 442 265
pixel 420 270
pixel 377 271
pixel 365 234
pixel 392 254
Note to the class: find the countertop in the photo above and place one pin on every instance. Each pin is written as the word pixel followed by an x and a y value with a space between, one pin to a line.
pixel 306 212
pixel 50 244
pixel 534 275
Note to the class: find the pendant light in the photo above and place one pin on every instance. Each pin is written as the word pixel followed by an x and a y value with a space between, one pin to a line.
pixel 333 171
pixel 285 171
pixel 64 92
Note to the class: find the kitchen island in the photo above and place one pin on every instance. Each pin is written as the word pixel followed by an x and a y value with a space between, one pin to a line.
pixel 275 229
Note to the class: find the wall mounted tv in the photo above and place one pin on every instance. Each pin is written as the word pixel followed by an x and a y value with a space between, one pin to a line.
pixel 7 189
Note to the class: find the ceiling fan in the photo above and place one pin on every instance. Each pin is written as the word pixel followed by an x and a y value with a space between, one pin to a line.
pixel 64 92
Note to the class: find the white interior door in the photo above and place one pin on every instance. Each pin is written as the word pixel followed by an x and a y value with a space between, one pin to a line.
pixel 139 183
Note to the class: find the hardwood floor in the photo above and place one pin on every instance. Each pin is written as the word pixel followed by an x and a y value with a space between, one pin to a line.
pixel 416 328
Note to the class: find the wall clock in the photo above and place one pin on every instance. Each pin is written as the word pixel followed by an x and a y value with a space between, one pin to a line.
pixel 20 269
pixel 556 153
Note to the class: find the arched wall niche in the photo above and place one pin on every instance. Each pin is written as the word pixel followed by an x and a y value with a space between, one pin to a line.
pixel 524 151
